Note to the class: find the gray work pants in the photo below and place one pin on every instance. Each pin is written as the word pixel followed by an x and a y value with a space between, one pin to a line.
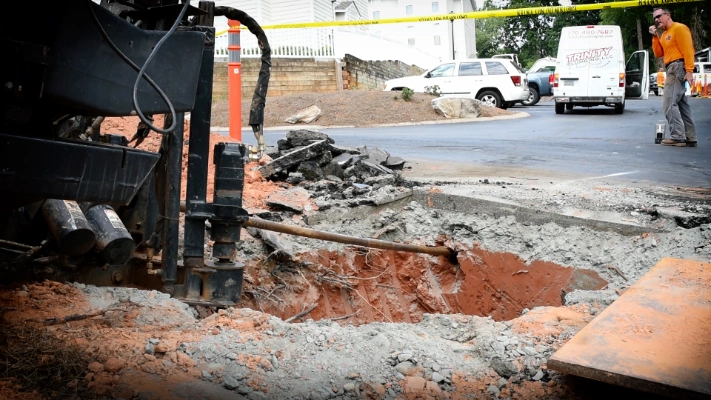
pixel 676 106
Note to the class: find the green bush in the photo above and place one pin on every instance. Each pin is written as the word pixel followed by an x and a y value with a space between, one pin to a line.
pixel 433 90
pixel 407 94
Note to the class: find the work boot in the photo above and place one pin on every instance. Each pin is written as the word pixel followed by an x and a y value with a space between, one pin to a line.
pixel 691 144
pixel 674 142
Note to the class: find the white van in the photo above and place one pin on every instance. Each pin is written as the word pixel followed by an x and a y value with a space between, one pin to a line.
pixel 590 70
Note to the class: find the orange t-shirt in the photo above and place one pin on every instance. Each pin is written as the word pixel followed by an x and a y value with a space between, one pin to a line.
pixel 675 44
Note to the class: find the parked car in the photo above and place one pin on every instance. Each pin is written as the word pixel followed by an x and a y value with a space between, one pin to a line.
pixel 539 80
pixel 511 57
pixel 496 82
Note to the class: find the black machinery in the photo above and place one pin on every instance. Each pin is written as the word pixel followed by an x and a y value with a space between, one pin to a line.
pixel 81 205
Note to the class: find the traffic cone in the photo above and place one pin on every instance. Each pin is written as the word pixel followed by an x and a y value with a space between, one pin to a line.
pixel 698 87
pixel 706 88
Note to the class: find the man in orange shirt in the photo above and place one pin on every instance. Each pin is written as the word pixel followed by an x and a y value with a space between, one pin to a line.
pixel 672 41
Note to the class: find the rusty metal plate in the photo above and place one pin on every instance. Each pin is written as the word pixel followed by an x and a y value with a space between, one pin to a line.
pixel 656 337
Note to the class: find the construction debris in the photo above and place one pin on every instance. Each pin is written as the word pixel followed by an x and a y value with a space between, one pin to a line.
pixel 334 175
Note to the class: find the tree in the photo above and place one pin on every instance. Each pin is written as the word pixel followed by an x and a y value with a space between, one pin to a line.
pixel 697 16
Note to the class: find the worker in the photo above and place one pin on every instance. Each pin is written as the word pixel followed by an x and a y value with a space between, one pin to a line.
pixel 672 40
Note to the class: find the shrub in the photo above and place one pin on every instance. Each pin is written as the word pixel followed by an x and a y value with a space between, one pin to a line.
pixel 433 90
pixel 407 94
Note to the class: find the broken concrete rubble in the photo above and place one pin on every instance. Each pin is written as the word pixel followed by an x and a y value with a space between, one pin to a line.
pixel 293 199
pixel 334 174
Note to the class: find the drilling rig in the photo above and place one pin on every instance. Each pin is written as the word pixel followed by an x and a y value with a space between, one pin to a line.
pixel 84 205
pixel 81 204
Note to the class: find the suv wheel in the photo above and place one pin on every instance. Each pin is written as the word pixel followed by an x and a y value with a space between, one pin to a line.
pixel 559 108
pixel 533 97
pixel 490 98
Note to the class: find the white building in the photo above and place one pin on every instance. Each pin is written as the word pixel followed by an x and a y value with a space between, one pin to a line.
pixel 424 44
pixel 446 40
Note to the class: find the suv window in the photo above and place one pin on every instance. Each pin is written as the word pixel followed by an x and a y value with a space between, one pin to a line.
pixel 470 69
pixel 550 68
pixel 442 70
pixel 496 68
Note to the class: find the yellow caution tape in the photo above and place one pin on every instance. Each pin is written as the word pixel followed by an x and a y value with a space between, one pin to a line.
pixel 515 12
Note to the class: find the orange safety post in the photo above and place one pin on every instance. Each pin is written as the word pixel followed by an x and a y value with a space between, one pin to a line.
pixel 234 80
pixel 698 87
pixel 706 86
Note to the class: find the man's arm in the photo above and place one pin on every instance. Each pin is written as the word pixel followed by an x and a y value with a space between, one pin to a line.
pixel 686 46
pixel 657 47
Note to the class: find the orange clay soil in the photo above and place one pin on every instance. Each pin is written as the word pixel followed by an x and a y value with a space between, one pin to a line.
pixel 373 285
pixel 256 188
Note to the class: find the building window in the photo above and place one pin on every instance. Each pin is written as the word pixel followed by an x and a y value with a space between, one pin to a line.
pixel 408 10
pixel 376 14
pixel 437 41
pixel 411 41
pixel 435 6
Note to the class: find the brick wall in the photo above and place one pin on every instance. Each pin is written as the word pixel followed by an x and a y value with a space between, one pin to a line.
pixel 373 74
pixel 307 75
pixel 288 76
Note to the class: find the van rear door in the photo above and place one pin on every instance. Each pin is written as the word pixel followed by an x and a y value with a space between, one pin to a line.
pixel 572 74
pixel 637 76
pixel 604 68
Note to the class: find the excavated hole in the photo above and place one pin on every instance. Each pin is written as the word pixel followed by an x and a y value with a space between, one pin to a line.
pixel 360 287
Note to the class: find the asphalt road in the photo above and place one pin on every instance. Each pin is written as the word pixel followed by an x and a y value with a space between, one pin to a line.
pixel 591 142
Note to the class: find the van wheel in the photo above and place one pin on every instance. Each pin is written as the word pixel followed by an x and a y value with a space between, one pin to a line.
pixel 559 108
pixel 569 106
pixel 490 99
pixel 619 108
pixel 533 97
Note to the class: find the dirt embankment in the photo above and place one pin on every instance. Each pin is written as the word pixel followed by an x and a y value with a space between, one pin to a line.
pixel 346 108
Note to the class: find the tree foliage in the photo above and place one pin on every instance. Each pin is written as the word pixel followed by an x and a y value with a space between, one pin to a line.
pixel 536 36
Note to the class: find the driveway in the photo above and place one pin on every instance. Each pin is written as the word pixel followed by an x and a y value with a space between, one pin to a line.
pixel 581 143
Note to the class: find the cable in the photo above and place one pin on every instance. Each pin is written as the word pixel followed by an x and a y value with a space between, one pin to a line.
pixel 141 71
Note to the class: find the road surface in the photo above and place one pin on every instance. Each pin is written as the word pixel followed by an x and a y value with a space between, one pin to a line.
pixel 583 143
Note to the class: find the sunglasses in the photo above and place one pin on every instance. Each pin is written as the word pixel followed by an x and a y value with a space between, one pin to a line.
pixel 659 15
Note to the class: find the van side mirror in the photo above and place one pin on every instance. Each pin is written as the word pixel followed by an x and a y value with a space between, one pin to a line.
pixel 428 75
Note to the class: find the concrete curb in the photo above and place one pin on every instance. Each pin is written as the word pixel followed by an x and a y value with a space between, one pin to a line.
pixel 517 115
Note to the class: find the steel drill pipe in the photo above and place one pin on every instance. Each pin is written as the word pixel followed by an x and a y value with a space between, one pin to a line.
pixel 336 237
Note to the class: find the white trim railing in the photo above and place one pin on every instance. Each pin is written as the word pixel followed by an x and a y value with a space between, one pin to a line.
pixel 285 43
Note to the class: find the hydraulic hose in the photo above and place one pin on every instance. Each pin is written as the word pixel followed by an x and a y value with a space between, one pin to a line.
pixel 256 111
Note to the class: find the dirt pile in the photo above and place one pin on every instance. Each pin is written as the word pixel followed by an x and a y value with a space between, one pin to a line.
pixel 147 345
pixel 345 108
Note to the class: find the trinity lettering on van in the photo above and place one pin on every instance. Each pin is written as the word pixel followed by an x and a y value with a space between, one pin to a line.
pixel 593 56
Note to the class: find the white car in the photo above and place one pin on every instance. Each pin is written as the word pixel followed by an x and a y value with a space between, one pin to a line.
pixel 496 82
